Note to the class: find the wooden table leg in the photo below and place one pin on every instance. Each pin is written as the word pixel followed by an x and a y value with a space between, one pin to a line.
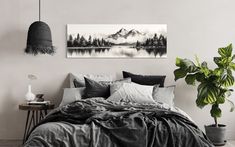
pixel 41 116
pixel 33 117
pixel 31 123
pixel 36 117
pixel 26 127
pixel 45 112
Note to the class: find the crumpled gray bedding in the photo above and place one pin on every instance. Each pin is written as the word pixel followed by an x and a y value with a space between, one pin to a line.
pixel 101 123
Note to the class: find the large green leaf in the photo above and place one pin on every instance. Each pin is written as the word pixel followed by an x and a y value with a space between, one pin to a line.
pixel 228 81
pixel 178 62
pixel 226 51
pixel 200 77
pixel 223 62
pixel 215 111
pixel 224 74
pixel 186 65
pixel 190 79
pixel 218 61
pixel 200 102
pixel 207 94
pixel 179 73
pixel 232 65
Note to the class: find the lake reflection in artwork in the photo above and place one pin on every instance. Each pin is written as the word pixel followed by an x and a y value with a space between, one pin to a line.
pixel 116 41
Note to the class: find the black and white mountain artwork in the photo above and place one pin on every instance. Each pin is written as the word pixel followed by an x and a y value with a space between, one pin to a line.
pixel 116 41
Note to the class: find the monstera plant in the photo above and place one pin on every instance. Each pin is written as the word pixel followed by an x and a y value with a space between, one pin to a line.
pixel 214 85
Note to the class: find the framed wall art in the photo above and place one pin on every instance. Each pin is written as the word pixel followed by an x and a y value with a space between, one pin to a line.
pixel 116 40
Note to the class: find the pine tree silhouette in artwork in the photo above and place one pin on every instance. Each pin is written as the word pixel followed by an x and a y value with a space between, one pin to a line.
pixel 95 42
pixel 151 42
pixel 89 41
pixel 162 45
pixel 83 42
pixel 155 40
pixel 70 41
pixel 164 41
pixel 98 42
pixel 78 37
pixel 102 42
pixel 76 43
pixel 148 42
pixel 138 44
pixel 160 40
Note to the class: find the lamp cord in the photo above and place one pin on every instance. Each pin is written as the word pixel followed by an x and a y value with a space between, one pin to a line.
pixel 39 10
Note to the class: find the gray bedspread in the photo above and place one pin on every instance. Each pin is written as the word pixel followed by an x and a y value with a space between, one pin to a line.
pixel 99 123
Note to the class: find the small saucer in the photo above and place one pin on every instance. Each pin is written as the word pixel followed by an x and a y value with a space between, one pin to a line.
pixel 220 144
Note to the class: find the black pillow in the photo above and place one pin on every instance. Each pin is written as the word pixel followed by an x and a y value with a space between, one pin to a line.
pixel 96 89
pixel 145 79
pixel 101 88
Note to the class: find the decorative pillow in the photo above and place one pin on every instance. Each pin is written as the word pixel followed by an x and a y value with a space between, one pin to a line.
pixel 164 94
pixel 100 88
pixel 131 92
pixel 145 79
pixel 80 82
pixel 71 95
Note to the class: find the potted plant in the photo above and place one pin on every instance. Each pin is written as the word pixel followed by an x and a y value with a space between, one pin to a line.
pixel 213 86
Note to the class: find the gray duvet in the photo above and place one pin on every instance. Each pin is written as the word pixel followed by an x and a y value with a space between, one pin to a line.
pixel 99 123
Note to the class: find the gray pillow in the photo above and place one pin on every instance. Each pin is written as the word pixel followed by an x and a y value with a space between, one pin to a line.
pixel 72 94
pixel 164 94
pixel 81 82
pixel 100 88
pixel 131 92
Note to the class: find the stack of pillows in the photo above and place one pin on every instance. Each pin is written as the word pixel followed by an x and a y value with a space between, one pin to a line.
pixel 132 88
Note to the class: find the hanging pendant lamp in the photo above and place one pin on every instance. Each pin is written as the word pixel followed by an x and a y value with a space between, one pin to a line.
pixel 39 39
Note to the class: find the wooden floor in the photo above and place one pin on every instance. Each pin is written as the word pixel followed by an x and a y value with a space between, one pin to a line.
pixel 230 143
pixel 18 143
pixel 10 143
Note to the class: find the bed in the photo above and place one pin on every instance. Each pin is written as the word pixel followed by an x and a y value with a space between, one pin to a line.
pixel 108 122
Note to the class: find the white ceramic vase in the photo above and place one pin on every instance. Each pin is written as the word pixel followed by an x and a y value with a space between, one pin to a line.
pixel 29 95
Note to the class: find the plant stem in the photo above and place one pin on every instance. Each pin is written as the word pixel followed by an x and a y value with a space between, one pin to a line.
pixel 216 123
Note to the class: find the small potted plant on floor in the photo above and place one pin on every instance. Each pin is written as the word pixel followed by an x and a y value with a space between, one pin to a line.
pixel 213 86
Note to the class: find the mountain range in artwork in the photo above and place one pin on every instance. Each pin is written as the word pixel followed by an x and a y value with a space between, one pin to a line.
pixel 124 42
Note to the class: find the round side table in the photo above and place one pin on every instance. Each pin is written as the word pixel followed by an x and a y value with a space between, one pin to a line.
pixel 35 113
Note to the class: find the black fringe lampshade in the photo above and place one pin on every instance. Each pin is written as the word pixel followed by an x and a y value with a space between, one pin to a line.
pixel 39 39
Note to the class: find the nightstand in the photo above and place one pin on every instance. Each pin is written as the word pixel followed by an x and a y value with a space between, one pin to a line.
pixel 35 113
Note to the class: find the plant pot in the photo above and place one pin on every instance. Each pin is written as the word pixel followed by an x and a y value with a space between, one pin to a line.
pixel 216 134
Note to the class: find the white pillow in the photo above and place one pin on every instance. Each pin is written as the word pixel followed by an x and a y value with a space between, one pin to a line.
pixel 164 94
pixel 72 94
pixel 81 81
pixel 131 92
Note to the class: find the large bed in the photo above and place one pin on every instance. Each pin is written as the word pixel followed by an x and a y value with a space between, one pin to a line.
pixel 104 122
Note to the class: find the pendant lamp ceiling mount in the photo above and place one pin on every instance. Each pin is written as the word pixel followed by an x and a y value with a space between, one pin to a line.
pixel 39 10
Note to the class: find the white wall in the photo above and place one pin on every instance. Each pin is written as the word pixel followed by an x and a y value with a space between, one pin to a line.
pixel 194 27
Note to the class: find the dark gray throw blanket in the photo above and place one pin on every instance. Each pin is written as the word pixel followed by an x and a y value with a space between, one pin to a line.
pixel 99 123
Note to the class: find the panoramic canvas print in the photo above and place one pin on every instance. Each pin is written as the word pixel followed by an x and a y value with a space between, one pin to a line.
pixel 116 41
